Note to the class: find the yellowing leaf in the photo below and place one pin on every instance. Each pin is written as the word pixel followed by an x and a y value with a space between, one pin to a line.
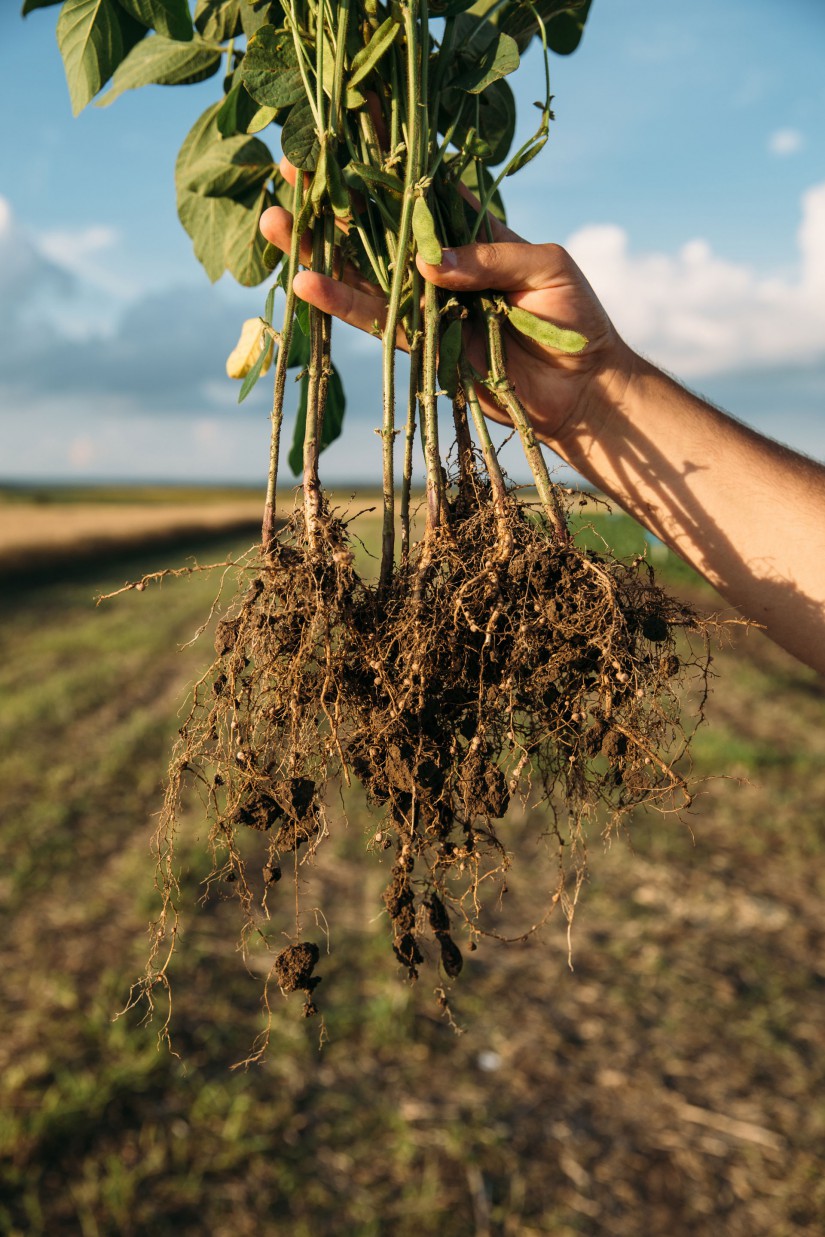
pixel 248 349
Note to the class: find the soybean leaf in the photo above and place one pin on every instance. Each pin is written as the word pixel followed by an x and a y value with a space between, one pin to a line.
pixel 30 5
pixel 237 110
pixel 449 350
pixel 302 319
pixel 255 372
pixel 336 406
pixel 298 357
pixel 376 178
pixel 94 36
pixel 564 22
pixel 258 13
pixel 218 19
pixel 299 140
pixel 564 34
pixel 423 226
pixel 164 62
pixel 497 121
pixel 545 332
pixel 270 69
pixel 227 167
pixel 169 17
pixel 295 459
pixel 479 183
pixel 208 220
pixel 244 244
pixel 272 257
pixel 369 56
pixel 221 227
pixel 496 60
pixel 269 305
pixel 263 116
pixel 450 8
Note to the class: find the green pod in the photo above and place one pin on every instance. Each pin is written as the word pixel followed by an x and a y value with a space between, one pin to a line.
pixel 423 226
pixel 545 332
pixel 449 353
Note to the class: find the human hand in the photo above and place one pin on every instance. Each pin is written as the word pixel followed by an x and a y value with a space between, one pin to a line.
pixel 564 395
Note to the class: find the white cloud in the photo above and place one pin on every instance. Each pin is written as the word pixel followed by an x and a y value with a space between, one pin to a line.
pixel 697 313
pixel 785 142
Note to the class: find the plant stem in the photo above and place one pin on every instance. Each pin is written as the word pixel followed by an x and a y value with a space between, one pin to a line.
pixel 503 390
pixel 497 486
pixel 415 341
pixel 429 407
pixel 318 374
pixel 402 254
pixel 268 529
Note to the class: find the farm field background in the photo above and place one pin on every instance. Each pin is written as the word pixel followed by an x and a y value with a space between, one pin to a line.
pixel 673 1081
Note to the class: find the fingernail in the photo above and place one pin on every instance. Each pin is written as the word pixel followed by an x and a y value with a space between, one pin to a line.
pixel 449 261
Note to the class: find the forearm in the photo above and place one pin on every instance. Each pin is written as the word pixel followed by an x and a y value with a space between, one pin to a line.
pixel 747 513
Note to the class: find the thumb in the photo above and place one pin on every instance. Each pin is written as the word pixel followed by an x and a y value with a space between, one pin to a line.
pixel 506 267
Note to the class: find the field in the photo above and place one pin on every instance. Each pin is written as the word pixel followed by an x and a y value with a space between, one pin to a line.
pixel 672 1082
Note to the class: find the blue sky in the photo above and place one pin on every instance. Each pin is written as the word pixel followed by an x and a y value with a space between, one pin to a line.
pixel 685 171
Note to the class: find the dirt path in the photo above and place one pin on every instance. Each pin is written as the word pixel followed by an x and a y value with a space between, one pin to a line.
pixel 52 531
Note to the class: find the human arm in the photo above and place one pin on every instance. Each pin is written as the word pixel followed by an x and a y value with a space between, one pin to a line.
pixel 746 512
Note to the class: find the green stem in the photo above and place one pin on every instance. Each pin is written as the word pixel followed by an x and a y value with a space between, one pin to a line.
pixel 415 340
pixel 497 486
pixel 429 408
pixel 318 375
pixel 503 390
pixel 402 255
pixel 268 529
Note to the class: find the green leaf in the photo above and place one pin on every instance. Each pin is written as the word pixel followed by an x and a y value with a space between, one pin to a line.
pixel 299 139
pixel 449 8
pixel 244 243
pixel 255 372
pixel 163 62
pixel 224 229
pixel 423 226
pixel 333 421
pixel 545 332
pixel 376 178
pixel 237 110
pixel 30 5
pixel 229 166
pixel 269 305
pixel 169 17
pixel 564 22
pixel 497 120
pixel 207 220
pixel 295 459
pixel 300 348
pixel 263 117
pixel 218 19
pixel 270 69
pixel 257 13
pixel 479 184
pixel 496 61
pixel 449 351
pixel 369 56
pixel 94 36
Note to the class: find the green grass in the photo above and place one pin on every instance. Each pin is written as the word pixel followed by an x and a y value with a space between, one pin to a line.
pixel 672 1082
